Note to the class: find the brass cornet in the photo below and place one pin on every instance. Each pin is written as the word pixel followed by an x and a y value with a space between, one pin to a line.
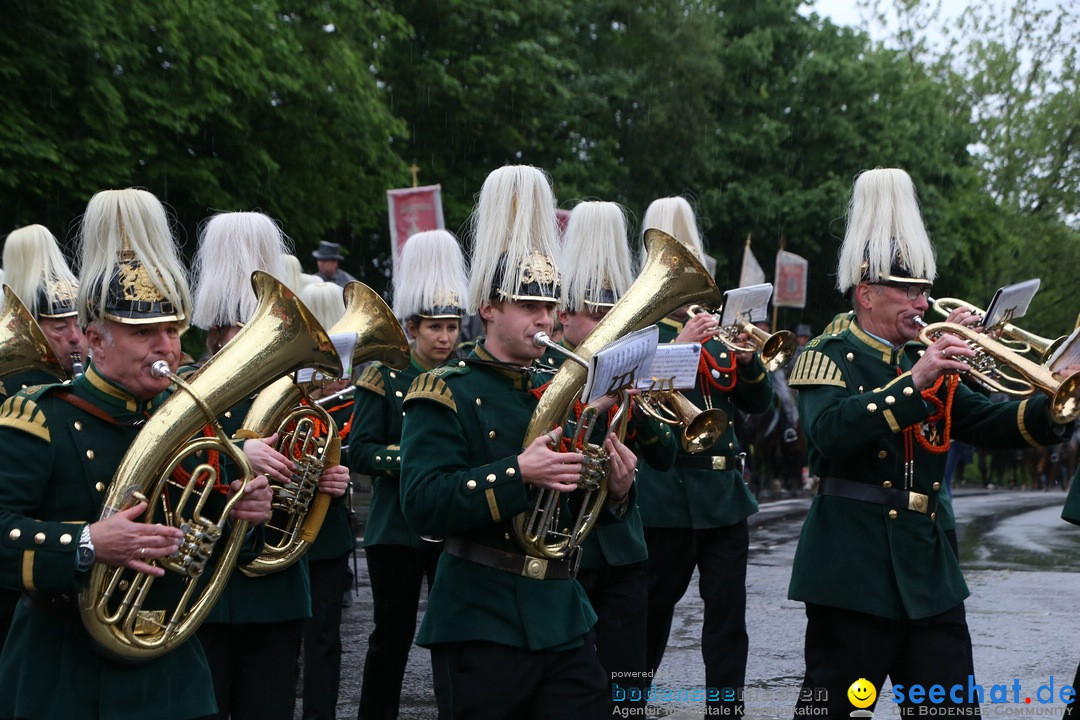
pixel 1017 339
pixel 777 349
pixel 701 428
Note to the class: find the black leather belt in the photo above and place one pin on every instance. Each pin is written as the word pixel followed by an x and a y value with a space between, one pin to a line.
pixel 55 606
pixel 891 497
pixel 710 462
pixel 526 566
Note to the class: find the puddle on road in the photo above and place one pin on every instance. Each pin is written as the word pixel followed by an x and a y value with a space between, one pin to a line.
pixel 1034 540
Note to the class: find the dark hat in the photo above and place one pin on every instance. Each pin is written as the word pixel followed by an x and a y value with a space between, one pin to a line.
pixel 538 279
pixel 803 329
pixel 328 251
pixel 56 300
pixel 133 298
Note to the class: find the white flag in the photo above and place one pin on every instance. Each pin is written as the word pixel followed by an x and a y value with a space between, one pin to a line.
pixel 751 273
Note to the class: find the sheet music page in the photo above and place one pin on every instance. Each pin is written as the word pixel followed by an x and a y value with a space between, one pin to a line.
pixel 1010 302
pixel 748 304
pixel 620 363
pixel 674 367
pixel 344 343
pixel 1068 353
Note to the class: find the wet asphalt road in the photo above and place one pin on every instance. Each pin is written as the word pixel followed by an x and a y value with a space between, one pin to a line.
pixel 1020 560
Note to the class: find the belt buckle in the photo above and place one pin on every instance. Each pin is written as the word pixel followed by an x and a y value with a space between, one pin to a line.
pixel 534 567
pixel 918 502
pixel 719 462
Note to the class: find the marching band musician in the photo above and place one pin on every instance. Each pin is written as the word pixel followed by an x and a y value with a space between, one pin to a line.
pixel 41 279
pixel 883 589
pixel 328 556
pixel 252 635
pixel 64 443
pixel 429 297
pixel 696 513
pixel 597 272
pixel 510 635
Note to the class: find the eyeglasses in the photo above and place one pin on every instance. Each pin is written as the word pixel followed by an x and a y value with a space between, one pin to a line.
pixel 913 291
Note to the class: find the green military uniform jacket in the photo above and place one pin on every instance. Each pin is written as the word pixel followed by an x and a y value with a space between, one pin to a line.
pixel 463 431
pixel 698 498
pixel 275 597
pixel 1071 511
pixel 336 537
pixel 623 543
pixel 374 449
pixel 856 396
pixel 28 378
pixel 60 461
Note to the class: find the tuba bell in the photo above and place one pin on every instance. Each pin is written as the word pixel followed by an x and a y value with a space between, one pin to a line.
pixel 118 605
pixel 671 278
pixel 307 434
pixel 23 345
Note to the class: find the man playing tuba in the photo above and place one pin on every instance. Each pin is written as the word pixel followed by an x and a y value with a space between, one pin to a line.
pixel 64 443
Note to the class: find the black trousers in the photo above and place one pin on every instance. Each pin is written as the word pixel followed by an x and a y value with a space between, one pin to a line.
pixel 720 554
pixel 618 594
pixel 843 646
pixel 489 681
pixel 396 573
pixel 254 668
pixel 322 637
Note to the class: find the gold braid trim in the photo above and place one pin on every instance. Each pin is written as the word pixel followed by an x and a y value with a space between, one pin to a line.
pixel 431 387
pixel 371 379
pixel 816 368
pixel 22 413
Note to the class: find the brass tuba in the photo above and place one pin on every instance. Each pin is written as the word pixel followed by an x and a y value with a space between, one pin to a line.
pixel 671 278
pixel 308 436
pixel 281 336
pixel 23 346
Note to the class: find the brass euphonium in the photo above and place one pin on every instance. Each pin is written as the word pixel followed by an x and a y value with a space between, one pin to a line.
pixel 307 435
pixel 1021 340
pixel 281 336
pixel 777 349
pixel 671 278
pixel 23 345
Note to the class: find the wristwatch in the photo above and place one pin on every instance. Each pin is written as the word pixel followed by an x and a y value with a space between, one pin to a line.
pixel 86 549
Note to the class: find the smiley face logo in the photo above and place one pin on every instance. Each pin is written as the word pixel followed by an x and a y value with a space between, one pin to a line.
pixel 862 694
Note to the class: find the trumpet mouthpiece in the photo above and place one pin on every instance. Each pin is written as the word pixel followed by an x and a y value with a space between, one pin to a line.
pixel 160 369
pixel 541 339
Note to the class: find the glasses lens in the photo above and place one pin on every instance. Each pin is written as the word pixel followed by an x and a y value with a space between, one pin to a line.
pixel 916 291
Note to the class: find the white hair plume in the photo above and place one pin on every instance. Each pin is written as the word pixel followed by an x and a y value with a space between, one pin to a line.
pixel 231 246
pixel 514 218
pixel 326 301
pixel 675 216
pixel 595 256
pixel 884 226
pixel 430 276
pixel 34 261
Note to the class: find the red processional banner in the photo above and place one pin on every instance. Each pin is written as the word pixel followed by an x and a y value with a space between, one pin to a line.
pixel 791 275
pixel 413 210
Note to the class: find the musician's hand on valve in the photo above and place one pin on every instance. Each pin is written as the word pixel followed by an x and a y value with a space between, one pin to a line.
pixel 265 460
pixel 941 357
pixel 962 316
pixel 622 467
pixel 546 468
pixel 334 480
pixel 254 506
pixel 744 358
pixel 699 328
pixel 122 540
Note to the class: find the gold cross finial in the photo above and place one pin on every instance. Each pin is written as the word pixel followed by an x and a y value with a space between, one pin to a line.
pixel 415 170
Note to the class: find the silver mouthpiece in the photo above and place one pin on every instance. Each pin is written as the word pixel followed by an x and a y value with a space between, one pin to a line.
pixel 160 369
pixel 542 339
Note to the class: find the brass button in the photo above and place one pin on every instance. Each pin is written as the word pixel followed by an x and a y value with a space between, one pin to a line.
pixel 887 484
pixel 100 487
pixel 862 389
pixel 461 363
pixel 933 516
pixel 850 356
pixel 78 424
pixel 471 484
pixel 89 454
pixel 921 353
pixel 393 374
pixel 511 472
pixel 228 413
pixel 490 478
pixel 397 458
pixel 882 454
pixel 65 539
pixel 39 538
pixel 937 486
pixel 479 401
pixel 731 446
pixel 893 514
pixel 491 434
pixel 378 458
pixel 723 356
pixel 15 534
pixel 397 393
pixel 909 391
pixel 871 407
pixel 890 400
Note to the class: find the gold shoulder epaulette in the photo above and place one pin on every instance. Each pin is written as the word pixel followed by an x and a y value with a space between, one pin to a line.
pixel 430 386
pixel 838 324
pixel 815 368
pixel 371 379
pixel 22 413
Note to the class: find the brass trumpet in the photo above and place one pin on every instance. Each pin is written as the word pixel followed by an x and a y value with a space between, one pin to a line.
pixel 991 356
pixel 1019 340
pixel 777 349
pixel 701 429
